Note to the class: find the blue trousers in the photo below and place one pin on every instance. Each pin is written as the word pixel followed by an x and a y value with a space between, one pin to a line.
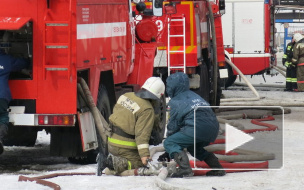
pixel 178 141
pixel 4 119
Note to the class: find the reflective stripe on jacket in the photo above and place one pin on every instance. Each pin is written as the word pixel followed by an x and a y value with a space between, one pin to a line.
pixel 287 57
pixel 135 116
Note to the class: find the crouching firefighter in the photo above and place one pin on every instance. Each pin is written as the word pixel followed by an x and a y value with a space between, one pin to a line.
pixel 180 128
pixel 132 122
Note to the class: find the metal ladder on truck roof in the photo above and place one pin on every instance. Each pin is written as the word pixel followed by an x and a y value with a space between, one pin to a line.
pixel 65 66
pixel 170 36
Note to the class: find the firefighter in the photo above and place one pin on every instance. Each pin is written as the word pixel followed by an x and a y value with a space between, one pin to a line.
pixel 298 60
pixel 180 129
pixel 7 64
pixel 132 122
pixel 291 70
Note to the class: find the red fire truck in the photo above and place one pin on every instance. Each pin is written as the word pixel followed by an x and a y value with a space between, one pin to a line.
pixel 99 42
pixel 248 28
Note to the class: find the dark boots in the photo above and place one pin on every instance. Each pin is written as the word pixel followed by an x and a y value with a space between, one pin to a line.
pixel 1 147
pixel 114 163
pixel 104 162
pixel 184 169
pixel 3 133
pixel 213 162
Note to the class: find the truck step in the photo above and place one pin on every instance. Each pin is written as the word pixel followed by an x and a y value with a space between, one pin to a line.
pixel 57 45
pixel 176 67
pixel 177 35
pixel 57 23
pixel 177 51
pixel 56 68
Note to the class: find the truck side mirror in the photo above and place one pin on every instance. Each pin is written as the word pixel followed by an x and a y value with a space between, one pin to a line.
pixel 222 6
pixel 157 7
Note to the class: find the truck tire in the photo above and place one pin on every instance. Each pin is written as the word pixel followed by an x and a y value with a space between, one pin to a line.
pixel 158 131
pixel 204 89
pixel 20 136
pixel 103 103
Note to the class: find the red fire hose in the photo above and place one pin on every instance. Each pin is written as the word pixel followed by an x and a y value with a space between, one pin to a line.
pixel 269 127
pixel 239 167
pixel 257 166
pixel 39 179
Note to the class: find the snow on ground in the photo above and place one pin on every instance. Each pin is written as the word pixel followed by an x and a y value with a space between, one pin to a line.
pixel 291 176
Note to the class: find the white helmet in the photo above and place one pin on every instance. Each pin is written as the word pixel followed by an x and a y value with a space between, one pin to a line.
pixel 297 37
pixel 155 85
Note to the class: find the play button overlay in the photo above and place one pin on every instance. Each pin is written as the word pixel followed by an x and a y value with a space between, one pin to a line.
pixel 235 138
pixel 249 138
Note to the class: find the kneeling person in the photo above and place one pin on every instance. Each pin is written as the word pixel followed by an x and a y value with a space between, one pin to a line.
pixel 132 122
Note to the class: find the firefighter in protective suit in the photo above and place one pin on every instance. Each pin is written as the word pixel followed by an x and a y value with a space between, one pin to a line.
pixel 132 122
pixel 291 70
pixel 7 65
pixel 298 59
pixel 180 129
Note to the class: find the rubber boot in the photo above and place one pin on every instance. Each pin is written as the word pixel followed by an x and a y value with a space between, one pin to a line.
pixel 184 169
pixel 3 133
pixel 1 147
pixel 212 162
pixel 117 163
pixel 102 162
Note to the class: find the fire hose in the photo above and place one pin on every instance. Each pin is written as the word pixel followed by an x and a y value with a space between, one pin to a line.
pixel 279 70
pixel 40 179
pixel 246 101
pixel 247 82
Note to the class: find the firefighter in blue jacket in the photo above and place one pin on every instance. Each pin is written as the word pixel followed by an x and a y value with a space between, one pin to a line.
pixel 7 65
pixel 180 129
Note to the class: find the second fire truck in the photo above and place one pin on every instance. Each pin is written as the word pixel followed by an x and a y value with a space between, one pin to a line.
pixel 248 28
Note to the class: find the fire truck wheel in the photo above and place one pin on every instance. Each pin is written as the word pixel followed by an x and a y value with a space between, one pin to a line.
pixel 103 105
pixel 20 136
pixel 218 94
pixel 103 102
pixel 203 90
pixel 158 131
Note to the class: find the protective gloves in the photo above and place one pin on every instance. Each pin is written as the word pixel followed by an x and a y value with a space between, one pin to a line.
pixel 164 157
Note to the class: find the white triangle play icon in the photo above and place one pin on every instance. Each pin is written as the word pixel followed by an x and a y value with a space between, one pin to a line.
pixel 235 138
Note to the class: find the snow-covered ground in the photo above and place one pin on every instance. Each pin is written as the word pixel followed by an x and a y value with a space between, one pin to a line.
pixel 291 176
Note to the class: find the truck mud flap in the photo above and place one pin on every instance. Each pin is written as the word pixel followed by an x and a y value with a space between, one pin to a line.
pixel 87 131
